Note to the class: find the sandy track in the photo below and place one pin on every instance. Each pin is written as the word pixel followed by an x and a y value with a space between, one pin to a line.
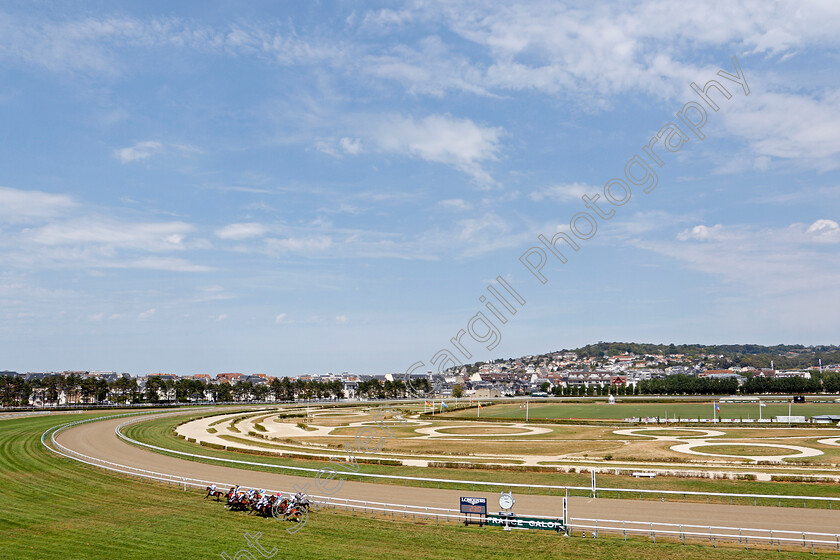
pixel 97 439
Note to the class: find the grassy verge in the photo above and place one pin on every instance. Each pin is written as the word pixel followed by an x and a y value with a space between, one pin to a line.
pixel 95 515
pixel 159 432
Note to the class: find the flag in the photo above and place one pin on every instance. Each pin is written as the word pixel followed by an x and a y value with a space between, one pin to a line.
pixel 717 408
pixel 443 405
pixel 479 405
pixel 762 404
pixel 427 403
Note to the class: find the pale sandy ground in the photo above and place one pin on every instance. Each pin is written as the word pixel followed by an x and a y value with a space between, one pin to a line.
pixel 98 439
pixel 700 440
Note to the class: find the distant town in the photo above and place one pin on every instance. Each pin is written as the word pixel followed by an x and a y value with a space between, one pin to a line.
pixel 601 369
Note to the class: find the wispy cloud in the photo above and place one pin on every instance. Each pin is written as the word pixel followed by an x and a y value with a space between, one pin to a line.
pixel 309 245
pixel 152 236
pixel 799 127
pixel 144 150
pixel 148 314
pixel 563 192
pixel 795 258
pixel 28 206
pixel 93 44
pixel 454 204
pixel 238 232
pixel 456 142
pixel 138 152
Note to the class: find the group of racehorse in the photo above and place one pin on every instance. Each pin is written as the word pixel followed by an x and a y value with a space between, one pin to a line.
pixel 291 508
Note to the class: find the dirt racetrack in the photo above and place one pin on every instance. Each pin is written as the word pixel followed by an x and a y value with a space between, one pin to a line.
pixel 97 439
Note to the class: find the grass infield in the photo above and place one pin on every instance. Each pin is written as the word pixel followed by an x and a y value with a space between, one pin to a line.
pixel 619 411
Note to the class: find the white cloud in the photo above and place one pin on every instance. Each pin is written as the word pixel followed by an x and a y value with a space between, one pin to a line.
pixel 342 319
pixel 238 232
pixel 351 146
pixel 153 263
pixel 91 45
pixel 799 127
pixel 798 258
pixel 26 206
pixel 139 151
pixel 145 150
pixel 153 236
pixel 454 204
pixel 281 317
pixel 298 244
pixel 475 236
pixel 563 192
pixel 702 233
pixel 94 242
pixel 459 143
pixel 588 54
pixel 824 231
pixel 147 314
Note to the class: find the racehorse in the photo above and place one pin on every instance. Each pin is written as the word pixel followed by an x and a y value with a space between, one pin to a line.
pixel 267 509
pixel 214 493
pixel 289 509
pixel 236 503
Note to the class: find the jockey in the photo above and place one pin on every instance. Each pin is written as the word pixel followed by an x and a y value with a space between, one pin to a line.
pixel 293 502
pixel 263 501
pixel 213 488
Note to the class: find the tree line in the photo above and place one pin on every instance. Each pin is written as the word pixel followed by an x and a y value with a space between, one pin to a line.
pixel 16 391
pixel 376 389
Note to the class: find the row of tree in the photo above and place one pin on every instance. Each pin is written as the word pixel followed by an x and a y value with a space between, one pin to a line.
pixel 16 391
pixel 375 389
pixel 756 385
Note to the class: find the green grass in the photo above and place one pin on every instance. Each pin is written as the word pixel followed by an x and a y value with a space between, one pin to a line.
pixel 742 450
pixel 619 411
pixel 55 510
pixel 159 432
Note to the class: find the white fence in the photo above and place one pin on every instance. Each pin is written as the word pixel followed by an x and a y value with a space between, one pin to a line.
pixel 775 537
pixel 712 533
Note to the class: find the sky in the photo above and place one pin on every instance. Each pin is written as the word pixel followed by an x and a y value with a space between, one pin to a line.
pixel 289 188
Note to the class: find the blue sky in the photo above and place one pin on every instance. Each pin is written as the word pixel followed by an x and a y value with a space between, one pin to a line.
pixel 289 189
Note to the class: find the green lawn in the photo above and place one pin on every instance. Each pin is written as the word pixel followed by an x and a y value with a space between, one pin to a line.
pixel 619 411
pixel 56 509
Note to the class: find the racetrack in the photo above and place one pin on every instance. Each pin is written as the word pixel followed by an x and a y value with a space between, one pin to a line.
pixel 97 439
